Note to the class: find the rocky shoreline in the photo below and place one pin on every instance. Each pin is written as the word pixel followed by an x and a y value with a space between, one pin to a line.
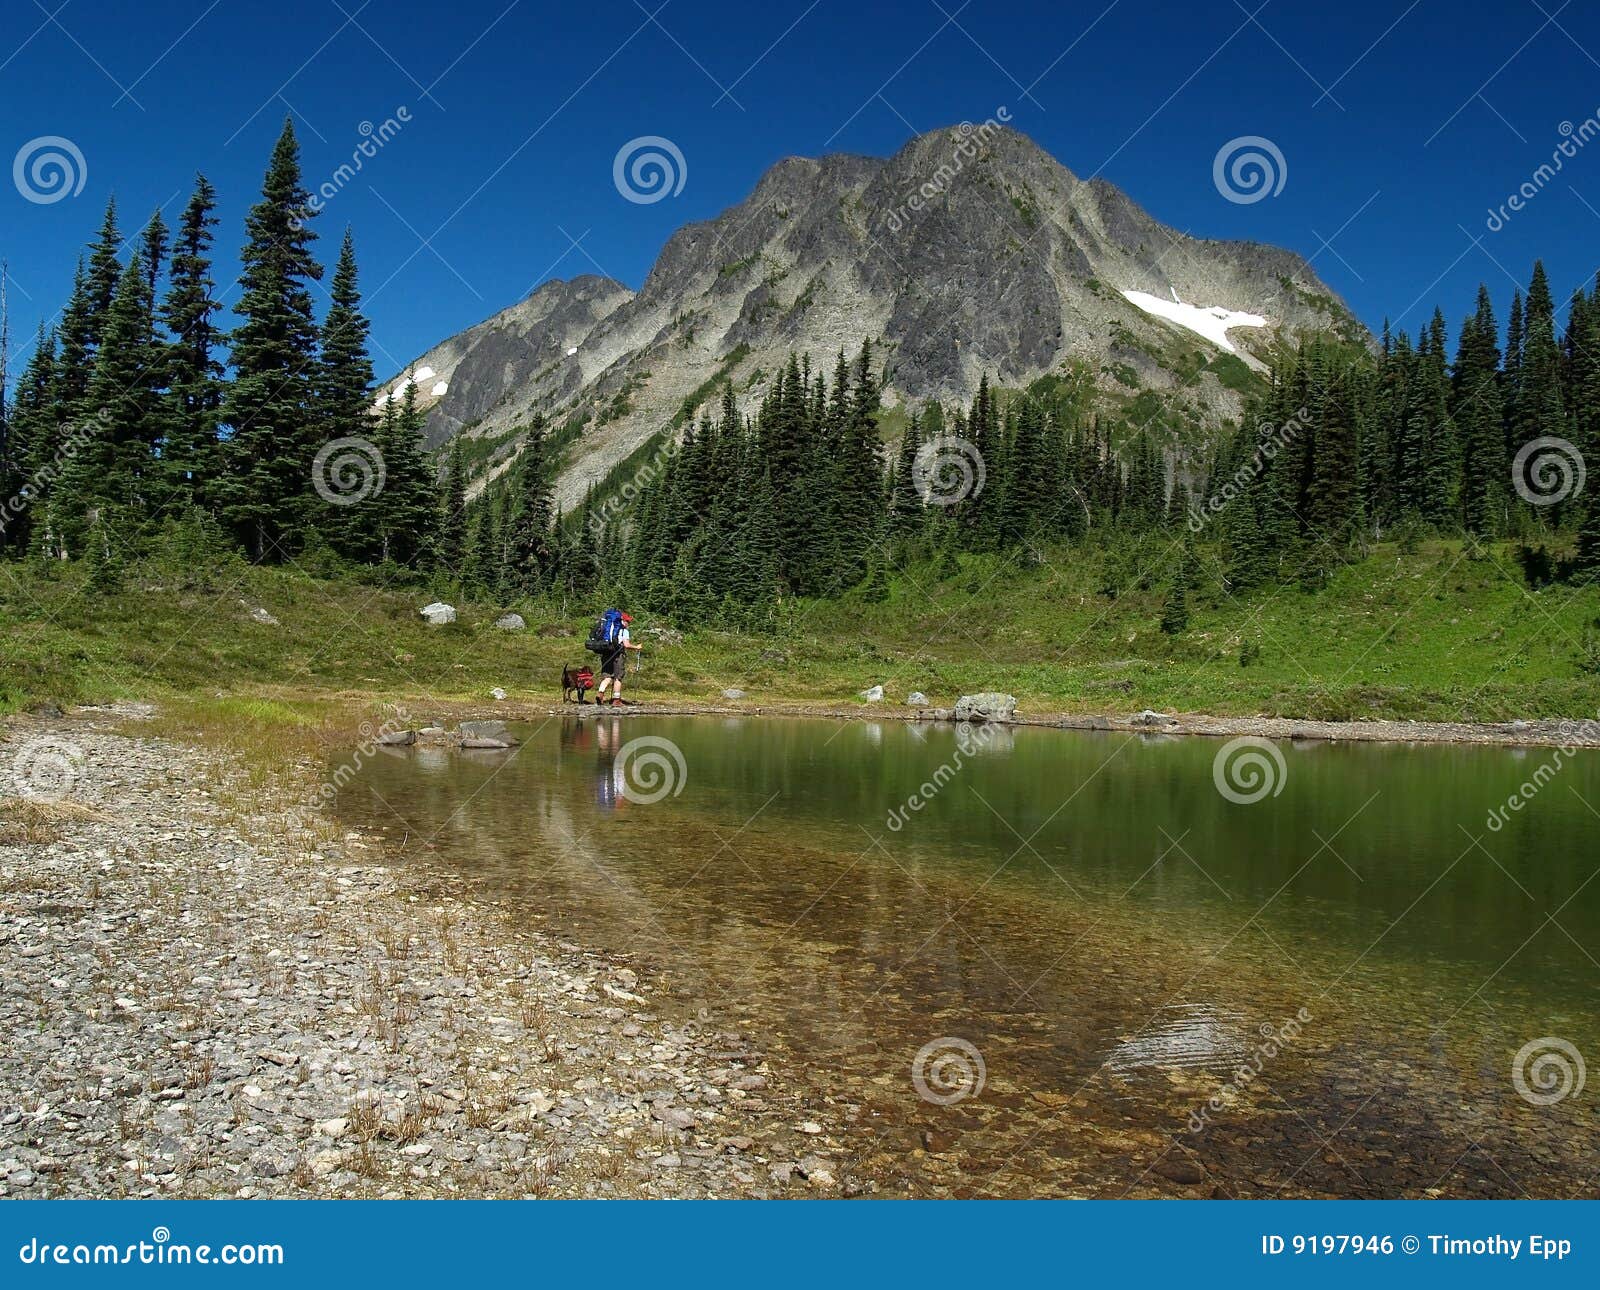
pixel 208 991
pixel 1573 732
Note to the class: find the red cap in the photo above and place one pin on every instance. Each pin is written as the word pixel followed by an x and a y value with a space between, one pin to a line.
pixel 627 618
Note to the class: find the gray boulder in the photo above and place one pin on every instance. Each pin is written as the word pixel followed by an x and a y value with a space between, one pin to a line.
pixel 482 729
pixel 485 743
pixel 397 738
pixel 988 706
pixel 497 693
pixel 511 623
pixel 438 612
pixel 916 699
pixel 732 693
pixel 874 695
pixel 1149 718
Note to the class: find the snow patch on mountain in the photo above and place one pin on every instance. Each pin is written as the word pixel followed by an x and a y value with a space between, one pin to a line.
pixel 1212 323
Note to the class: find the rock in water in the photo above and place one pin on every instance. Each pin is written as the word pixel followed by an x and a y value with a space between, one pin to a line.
pixel 483 729
pixel 510 623
pixel 495 744
pixel 874 695
pixel 916 699
pixel 397 738
pixel 988 706
pixel 1151 718
pixel 439 612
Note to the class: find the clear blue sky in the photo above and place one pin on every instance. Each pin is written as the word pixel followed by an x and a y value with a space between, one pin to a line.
pixel 1400 126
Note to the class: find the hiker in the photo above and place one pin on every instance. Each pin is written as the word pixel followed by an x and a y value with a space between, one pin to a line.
pixel 611 640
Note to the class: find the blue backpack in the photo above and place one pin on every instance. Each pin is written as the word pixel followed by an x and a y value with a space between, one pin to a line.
pixel 603 635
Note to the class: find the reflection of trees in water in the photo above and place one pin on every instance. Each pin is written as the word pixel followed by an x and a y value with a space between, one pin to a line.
pixel 849 960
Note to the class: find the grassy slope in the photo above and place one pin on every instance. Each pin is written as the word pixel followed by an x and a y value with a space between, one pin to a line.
pixel 1430 634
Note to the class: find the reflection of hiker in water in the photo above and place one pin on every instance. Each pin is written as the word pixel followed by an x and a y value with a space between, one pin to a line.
pixel 608 775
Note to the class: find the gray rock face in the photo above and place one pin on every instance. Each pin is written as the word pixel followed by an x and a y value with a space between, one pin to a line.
pixel 988 706
pixel 397 738
pixel 1013 267
pixel 438 612
pixel 1150 719
pixel 873 695
pixel 483 729
pixel 511 623
pixel 916 699
pixel 733 693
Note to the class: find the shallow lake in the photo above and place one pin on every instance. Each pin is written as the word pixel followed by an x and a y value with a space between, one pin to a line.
pixel 1023 961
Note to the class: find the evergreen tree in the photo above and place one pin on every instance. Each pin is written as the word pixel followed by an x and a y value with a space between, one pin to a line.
pixel 189 458
pixel 450 542
pixel 531 545
pixel 906 504
pixel 405 510
pixel 266 492
pixel 344 394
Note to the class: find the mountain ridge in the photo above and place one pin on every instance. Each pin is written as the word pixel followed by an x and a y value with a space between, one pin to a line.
pixel 969 251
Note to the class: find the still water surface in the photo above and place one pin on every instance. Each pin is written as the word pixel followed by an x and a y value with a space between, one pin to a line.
pixel 1113 937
